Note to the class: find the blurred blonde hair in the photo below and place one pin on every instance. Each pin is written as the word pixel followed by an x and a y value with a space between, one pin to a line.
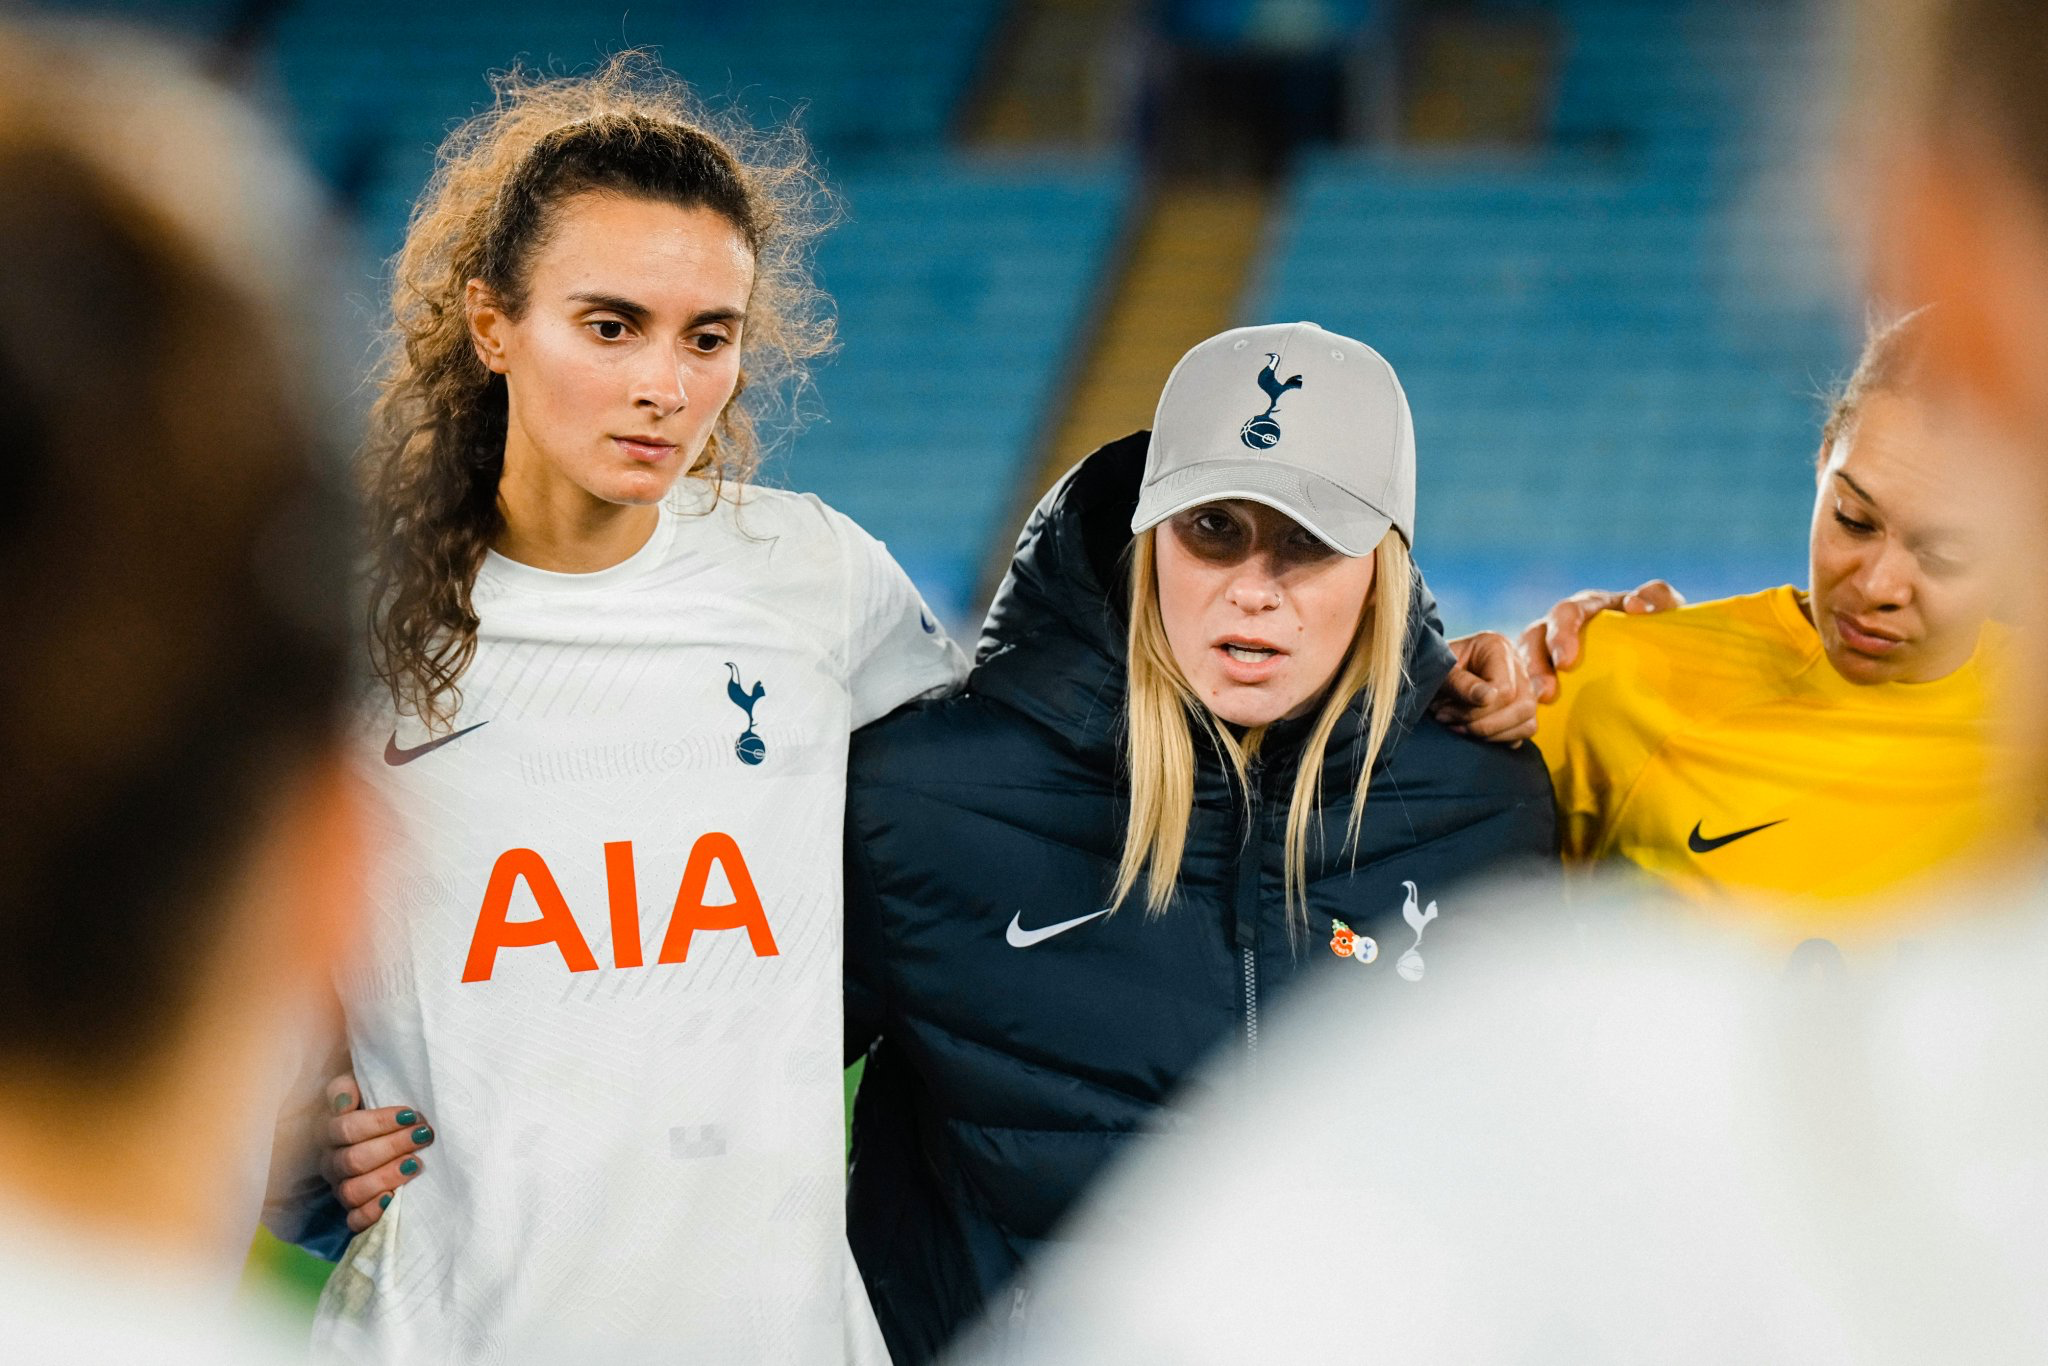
pixel 1163 710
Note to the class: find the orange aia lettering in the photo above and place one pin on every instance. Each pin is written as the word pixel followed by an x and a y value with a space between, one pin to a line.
pixel 691 914
pixel 555 925
pixel 623 888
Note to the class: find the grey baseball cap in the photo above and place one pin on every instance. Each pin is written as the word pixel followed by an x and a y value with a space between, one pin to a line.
pixel 1293 416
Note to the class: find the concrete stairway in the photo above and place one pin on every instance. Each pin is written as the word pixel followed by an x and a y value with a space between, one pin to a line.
pixel 1181 282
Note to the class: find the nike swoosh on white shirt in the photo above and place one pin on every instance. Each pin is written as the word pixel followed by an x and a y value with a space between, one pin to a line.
pixel 1021 938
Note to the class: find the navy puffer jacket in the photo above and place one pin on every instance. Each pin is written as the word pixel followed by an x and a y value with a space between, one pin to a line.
pixel 1012 1063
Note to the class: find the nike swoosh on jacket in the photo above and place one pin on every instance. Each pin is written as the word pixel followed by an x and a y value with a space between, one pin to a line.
pixel 1021 938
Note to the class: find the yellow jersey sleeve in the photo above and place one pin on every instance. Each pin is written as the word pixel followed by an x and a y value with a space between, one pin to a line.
pixel 1594 744
pixel 1640 681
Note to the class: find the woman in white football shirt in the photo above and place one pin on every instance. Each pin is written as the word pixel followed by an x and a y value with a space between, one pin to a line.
pixel 606 950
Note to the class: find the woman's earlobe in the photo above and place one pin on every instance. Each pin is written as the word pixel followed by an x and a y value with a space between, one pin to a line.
pixel 482 316
pixel 489 352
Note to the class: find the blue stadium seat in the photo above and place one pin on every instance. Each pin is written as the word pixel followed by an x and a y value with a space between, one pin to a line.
pixel 963 288
pixel 374 84
pixel 1615 348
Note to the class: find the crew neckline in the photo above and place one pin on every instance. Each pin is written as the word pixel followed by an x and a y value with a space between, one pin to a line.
pixel 515 574
pixel 1965 679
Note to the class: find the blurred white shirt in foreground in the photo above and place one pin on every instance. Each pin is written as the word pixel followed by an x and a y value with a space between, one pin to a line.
pixel 82 1301
pixel 1601 1134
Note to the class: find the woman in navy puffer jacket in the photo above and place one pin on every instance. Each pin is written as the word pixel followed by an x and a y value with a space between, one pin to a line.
pixel 1019 1033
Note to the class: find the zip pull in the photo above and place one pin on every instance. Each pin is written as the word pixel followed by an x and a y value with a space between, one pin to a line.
pixel 1245 905
pixel 1013 1335
pixel 1254 781
pixel 1244 914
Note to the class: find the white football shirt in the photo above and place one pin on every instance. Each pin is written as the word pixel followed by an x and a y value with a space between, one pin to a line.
pixel 73 1294
pixel 605 954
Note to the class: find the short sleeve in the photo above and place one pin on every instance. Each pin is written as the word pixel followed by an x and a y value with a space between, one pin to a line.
pixel 1590 743
pixel 896 649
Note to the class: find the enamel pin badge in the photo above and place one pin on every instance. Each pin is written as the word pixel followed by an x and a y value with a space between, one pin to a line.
pixel 1346 942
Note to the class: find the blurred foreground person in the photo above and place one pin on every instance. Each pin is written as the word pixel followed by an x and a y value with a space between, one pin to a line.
pixel 1955 157
pixel 1625 1137
pixel 1620 1137
pixel 179 841
pixel 1789 756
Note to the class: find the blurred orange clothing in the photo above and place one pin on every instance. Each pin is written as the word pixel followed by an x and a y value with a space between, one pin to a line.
pixel 1717 749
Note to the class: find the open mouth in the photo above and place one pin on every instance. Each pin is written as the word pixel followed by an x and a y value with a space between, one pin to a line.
pixel 1249 661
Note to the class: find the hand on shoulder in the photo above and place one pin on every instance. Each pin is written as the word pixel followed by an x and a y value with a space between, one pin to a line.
pixel 1551 643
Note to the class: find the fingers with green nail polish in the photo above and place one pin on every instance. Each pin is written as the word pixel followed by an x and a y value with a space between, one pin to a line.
pixel 409 1167
pixel 405 1117
pixel 384 1200
pixel 423 1135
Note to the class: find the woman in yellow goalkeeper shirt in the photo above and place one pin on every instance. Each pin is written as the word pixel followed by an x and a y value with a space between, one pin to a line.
pixel 1821 747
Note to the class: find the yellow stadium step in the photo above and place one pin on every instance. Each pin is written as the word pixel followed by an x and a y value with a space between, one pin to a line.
pixel 1055 76
pixel 1482 79
pixel 1182 279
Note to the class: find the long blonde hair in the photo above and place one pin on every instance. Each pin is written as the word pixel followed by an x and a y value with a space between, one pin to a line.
pixel 1163 710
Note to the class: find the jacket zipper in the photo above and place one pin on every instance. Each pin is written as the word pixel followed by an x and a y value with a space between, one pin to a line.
pixel 1245 913
pixel 1251 1002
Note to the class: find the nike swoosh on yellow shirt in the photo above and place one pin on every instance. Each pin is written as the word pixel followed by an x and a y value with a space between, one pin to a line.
pixel 395 756
pixel 1021 938
pixel 1701 845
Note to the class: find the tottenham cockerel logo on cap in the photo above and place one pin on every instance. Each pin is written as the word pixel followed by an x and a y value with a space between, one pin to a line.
pixel 1261 432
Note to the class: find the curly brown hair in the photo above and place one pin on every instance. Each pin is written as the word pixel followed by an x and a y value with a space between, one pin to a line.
pixel 437 442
